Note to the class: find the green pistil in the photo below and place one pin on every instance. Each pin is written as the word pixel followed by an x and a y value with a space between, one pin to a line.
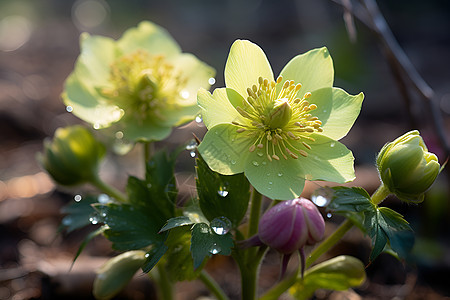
pixel 144 85
pixel 275 120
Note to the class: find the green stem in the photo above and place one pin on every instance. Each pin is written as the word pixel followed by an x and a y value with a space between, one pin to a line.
pixel 149 149
pixel 329 242
pixel 212 285
pixel 255 213
pixel 108 189
pixel 164 284
pixel 380 194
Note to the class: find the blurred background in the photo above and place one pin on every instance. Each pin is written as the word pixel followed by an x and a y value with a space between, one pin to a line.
pixel 38 49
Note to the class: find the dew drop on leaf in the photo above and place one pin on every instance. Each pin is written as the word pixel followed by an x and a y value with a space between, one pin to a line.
pixel 221 225
pixel 215 249
pixel 103 199
pixel 69 108
pixel 77 198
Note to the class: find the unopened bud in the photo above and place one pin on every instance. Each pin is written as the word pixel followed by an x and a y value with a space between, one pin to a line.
pixel 116 273
pixel 406 167
pixel 72 157
pixel 290 225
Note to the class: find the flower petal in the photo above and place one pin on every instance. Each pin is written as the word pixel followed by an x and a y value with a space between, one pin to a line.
pixel 87 104
pixel 313 69
pixel 197 74
pixel 217 108
pixel 224 150
pixel 136 130
pixel 336 109
pixel 151 37
pixel 246 62
pixel 327 160
pixel 97 54
pixel 281 180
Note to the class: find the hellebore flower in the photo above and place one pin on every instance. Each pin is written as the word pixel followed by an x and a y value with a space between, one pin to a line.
pixel 406 167
pixel 278 132
pixel 73 156
pixel 142 83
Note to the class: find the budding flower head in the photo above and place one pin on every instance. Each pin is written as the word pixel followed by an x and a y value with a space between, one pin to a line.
pixel 116 273
pixel 72 157
pixel 290 225
pixel 406 167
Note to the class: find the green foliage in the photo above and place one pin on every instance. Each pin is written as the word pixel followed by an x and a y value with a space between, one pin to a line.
pixel 222 195
pixel 384 226
pixel 339 273
pixel 78 213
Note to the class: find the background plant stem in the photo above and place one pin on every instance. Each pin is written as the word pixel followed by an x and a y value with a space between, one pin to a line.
pixel 109 190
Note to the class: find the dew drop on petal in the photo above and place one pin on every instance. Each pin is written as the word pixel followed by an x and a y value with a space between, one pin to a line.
pixel 270 182
pixel 233 162
pixel 211 80
pixel 77 198
pixel 198 118
pixel 332 144
pixel 280 174
pixel 255 163
pixel 184 94
pixel 119 135
pixel 221 225
pixel 69 108
pixel 96 126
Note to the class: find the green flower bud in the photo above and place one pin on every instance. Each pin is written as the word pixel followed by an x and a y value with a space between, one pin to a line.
pixel 406 167
pixel 73 156
pixel 116 273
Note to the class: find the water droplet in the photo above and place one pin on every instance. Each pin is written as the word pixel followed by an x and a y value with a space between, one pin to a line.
pixel 329 215
pixel 264 163
pixel 93 218
pixel 223 190
pixel 269 188
pixel 280 174
pixel 255 163
pixel 67 221
pixel 69 108
pixel 96 126
pixel 270 182
pixel 233 162
pixel 192 145
pixel 77 198
pixel 259 153
pixel 268 174
pixel 119 135
pixel 147 255
pixel 192 153
pixel 215 249
pixel 211 80
pixel 324 110
pixel 185 94
pixel 322 196
pixel 221 225
pixel 103 199
pixel 332 144
pixel 149 185
pixel 198 119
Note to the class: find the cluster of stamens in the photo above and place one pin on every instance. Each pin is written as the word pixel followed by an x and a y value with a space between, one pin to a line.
pixel 143 83
pixel 277 119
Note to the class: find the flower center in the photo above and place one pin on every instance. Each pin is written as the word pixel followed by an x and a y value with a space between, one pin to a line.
pixel 143 84
pixel 278 120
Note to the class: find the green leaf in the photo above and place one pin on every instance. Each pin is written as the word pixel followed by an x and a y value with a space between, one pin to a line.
pixel 153 256
pixel 178 257
pixel 78 213
pixel 86 240
pixel 339 273
pixel 222 195
pixel 353 199
pixel 131 228
pixel 177 222
pixel 205 243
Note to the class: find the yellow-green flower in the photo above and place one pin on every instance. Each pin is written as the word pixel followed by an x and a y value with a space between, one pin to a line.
pixel 141 82
pixel 281 131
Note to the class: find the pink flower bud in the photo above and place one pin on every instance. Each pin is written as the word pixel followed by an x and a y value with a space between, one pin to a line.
pixel 290 225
